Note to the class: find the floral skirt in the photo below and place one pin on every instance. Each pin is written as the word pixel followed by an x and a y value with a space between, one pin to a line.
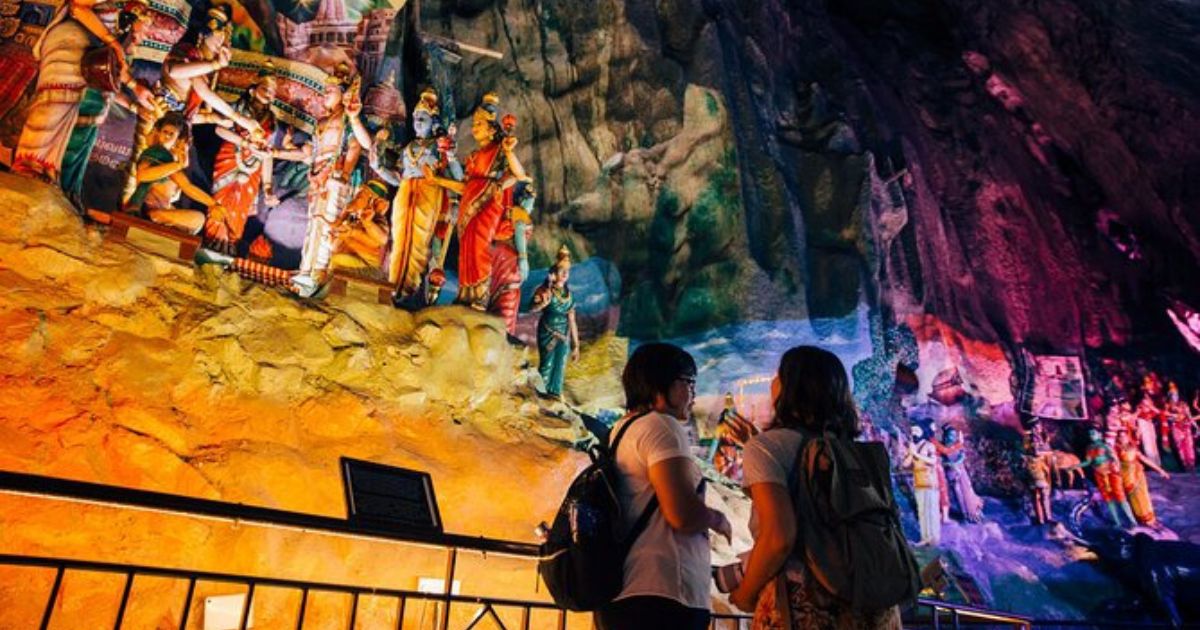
pixel 808 607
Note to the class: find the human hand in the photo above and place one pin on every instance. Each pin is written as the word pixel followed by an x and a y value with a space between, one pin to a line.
pixel 180 151
pixel 736 429
pixel 744 600
pixel 217 213
pixel 271 200
pixel 427 171
pixel 575 353
pixel 509 143
pixel 145 98
pixel 224 55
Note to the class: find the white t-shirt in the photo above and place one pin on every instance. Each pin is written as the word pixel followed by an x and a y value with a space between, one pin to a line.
pixel 768 458
pixel 662 562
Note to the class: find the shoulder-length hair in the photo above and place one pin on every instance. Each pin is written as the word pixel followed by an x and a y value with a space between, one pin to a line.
pixel 814 393
pixel 651 370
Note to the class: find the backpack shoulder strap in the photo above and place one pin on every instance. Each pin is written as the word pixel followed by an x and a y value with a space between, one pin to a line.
pixel 644 519
pixel 612 448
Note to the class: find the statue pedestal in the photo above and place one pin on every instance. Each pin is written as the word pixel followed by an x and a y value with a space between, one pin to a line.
pixel 349 284
pixel 151 237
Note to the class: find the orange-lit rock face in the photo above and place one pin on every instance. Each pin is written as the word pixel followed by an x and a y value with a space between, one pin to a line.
pixel 123 368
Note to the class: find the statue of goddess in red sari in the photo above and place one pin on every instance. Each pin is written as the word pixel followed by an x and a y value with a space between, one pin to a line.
pixel 490 171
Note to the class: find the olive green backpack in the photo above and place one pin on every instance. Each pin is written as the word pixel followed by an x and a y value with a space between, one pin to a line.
pixel 849 534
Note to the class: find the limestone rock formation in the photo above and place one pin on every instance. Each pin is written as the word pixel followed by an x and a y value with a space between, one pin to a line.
pixel 959 158
pixel 131 369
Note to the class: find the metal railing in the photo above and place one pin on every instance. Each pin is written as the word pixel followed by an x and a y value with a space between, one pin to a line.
pixel 957 615
pixel 960 615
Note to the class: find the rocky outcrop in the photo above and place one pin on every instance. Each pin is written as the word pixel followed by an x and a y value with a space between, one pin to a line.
pixel 131 369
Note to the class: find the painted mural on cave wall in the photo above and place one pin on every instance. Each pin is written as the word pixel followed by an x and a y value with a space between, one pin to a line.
pixel 991 313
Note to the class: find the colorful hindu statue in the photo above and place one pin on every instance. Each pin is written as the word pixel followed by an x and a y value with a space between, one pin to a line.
pixel 360 234
pixel 557 334
pixel 922 457
pixel 1119 419
pixel 954 461
pixel 244 165
pixel 1038 471
pixel 1106 472
pixel 1147 430
pixel 420 201
pixel 187 82
pixel 161 179
pixel 1179 425
pixel 338 143
pixel 1133 480
pixel 733 430
pixel 510 262
pixel 78 26
pixel 489 170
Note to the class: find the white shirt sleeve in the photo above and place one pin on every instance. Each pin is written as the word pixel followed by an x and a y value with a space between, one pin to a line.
pixel 657 438
pixel 760 465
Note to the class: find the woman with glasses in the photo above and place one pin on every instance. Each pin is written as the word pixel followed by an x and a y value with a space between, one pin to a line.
pixel 667 572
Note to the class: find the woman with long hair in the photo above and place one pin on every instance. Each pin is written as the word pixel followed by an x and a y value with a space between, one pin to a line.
pixel 667 573
pixel 811 396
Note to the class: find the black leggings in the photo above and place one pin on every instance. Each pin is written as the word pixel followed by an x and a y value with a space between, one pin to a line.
pixel 650 613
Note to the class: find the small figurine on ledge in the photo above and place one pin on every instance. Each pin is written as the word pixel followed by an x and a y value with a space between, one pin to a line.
pixel 337 145
pixel 1133 479
pixel 161 179
pixel 557 334
pixel 489 170
pixel 510 262
pixel 922 457
pixel 1106 472
pixel 420 202
pixel 186 85
pixel 245 164
pixel 360 234
pixel 954 459
pixel 733 431
pixel 85 45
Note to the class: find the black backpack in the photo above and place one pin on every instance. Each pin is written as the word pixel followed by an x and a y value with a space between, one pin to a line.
pixel 849 534
pixel 583 558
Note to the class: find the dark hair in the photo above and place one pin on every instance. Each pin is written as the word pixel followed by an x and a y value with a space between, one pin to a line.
pixel 814 393
pixel 176 120
pixel 651 371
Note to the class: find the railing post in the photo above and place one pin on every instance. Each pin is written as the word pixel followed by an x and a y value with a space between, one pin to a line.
pixel 525 618
pixel 124 600
pixel 448 593
pixel 954 617
pixel 353 610
pixel 53 596
pixel 937 616
pixel 187 603
pixel 246 607
pixel 400 612
pixel 303 608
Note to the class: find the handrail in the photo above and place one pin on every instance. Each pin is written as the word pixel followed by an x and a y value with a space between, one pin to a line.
pixel 57 487
pixel 258 580
pixel 982 615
